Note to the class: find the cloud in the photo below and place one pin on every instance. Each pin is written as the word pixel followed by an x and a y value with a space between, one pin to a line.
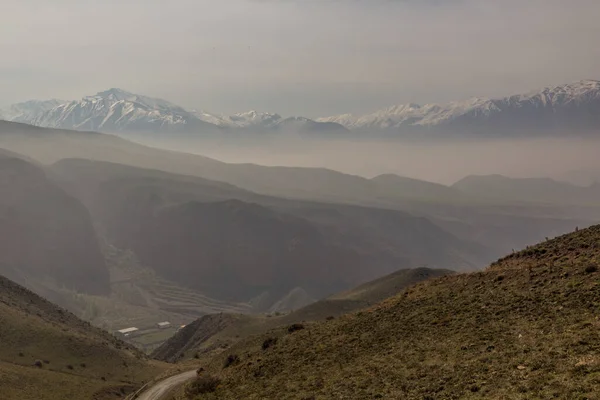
pixel 295 56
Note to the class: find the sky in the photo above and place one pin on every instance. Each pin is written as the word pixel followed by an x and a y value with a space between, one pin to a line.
pixel 295 57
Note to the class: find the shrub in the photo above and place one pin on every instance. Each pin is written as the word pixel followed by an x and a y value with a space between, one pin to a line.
pixel 270 342
pixel 70 367
pixel 232 359
pixel 38 363
pixel 591 269
pixel 202 384
pixel 295 327
pixel 330 318
pixel 82 365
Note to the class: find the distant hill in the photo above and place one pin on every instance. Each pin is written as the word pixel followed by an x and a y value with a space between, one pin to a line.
pixel 407 188
pixel 46 234
pixel 215 332
pixel 47 353
pixel 524 328
pixel 493 223
pixel 231 242
pixel 538 190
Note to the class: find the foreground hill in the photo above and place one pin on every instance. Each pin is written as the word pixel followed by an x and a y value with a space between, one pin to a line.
pixel 526 327
pixel 214 332
pixel 48 353
pixel 46 233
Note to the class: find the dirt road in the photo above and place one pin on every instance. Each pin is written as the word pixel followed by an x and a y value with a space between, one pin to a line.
pixel 162 388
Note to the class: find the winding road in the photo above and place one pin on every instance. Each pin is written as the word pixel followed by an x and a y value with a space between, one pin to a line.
pixel 164 387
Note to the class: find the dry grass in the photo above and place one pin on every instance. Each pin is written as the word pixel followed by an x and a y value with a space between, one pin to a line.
pixel 526 328
pixel 77 360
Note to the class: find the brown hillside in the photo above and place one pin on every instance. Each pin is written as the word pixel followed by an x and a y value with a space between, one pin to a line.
pixel 214 332
pixel 525 328
pixel 48 353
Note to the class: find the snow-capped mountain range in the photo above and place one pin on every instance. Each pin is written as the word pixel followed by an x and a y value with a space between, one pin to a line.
pixel 119 111
pixel 573 106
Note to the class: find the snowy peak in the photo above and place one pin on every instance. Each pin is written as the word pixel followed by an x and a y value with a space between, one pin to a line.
pixel 117 110
pixel 24 112
pixel 555 107
pixel 573 107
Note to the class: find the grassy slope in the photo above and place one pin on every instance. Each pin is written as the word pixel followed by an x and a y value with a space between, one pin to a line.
pixel 527 327
pixel 78 360
pixel 216 332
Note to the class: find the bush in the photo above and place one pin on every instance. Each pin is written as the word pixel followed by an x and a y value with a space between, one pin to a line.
pixel 202 384
pixel 591 269
pixel 270 342
pixel 232 359
pixel 295 327
pixel 70 367
pixel 38 363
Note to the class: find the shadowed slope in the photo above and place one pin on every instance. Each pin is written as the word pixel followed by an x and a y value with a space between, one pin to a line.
pixel 46 233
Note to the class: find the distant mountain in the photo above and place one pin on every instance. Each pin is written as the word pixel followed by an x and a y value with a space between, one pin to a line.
pixel 573 106
pixel 116 111
pixel 47 353
pixel 408 188
pixel 45 233
pixel 28 111
pixel 539 190
pixel 119 111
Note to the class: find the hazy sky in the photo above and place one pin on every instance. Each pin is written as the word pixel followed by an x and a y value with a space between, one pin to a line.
pixel 302 57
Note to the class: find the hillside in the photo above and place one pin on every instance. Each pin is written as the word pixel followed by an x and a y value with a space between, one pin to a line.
pixel 46 233
pixel 48 353
pixel 217 332
pixel 496 225
pixel 184 228
pixel 526 327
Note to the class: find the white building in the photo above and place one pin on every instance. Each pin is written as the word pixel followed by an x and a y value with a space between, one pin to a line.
pixel 163 325
pixel 128 331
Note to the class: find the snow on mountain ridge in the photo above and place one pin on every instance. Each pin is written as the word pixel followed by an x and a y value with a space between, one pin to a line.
pixel 23 112
pixel 116 110
pixel 433 115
